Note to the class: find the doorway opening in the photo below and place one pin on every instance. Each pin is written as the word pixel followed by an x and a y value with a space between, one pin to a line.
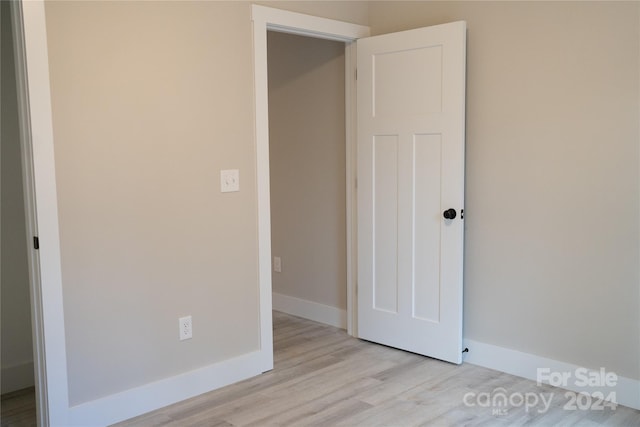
pixel 307 155
pixel 17 345
pixel 264 19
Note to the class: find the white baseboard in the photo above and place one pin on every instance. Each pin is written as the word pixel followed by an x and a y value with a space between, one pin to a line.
pixel 17 377
pixel 131 403
pixel 310 310
pixel 526 365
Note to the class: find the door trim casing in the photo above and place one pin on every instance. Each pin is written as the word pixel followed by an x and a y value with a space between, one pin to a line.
pixel 41 210
pixel 264 19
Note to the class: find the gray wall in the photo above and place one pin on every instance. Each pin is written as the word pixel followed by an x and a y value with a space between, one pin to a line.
pixel 552 214
pixel 307 165
pixel 17 350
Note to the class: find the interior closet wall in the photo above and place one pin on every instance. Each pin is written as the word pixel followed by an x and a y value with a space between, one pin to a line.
pixel 17 349
pixel 307 164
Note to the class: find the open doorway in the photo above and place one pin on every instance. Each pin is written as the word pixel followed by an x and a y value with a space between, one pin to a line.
pixel 18 394
pixel 307 153
pixel 264 19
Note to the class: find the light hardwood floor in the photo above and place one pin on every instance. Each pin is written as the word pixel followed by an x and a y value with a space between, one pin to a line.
pixel 324 377
pixel 19 408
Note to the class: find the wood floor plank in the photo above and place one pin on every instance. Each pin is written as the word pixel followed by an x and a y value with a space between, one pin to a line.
pixel 319 408
pixel 18 408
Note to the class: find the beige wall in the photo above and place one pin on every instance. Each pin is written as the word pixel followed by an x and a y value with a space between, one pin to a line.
pixel 307 166
pixel 17 351
pixel 552 214
pixel 356 12
pixel 150 101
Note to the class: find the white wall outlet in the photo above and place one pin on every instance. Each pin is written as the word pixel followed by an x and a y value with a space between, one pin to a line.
pixel 277 264
pixel 186 328
pixel 229 180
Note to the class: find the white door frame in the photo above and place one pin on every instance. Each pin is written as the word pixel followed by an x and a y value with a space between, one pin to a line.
pixel 265 18
pixel 41 209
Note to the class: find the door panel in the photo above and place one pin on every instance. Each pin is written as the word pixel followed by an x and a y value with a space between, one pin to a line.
pixel 419 66
pixel 427 152
pixel 385 194
pixel 411 169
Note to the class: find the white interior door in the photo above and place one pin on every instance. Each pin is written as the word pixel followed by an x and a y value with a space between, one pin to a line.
pixel 411 105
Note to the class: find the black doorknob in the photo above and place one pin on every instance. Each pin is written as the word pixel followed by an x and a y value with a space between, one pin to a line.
pixel 449 214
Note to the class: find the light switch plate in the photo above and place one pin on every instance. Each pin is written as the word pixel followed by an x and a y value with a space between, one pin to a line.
pixel 229 180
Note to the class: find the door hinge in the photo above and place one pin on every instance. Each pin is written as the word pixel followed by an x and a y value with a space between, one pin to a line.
pixel 36 242
pixel 356 74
